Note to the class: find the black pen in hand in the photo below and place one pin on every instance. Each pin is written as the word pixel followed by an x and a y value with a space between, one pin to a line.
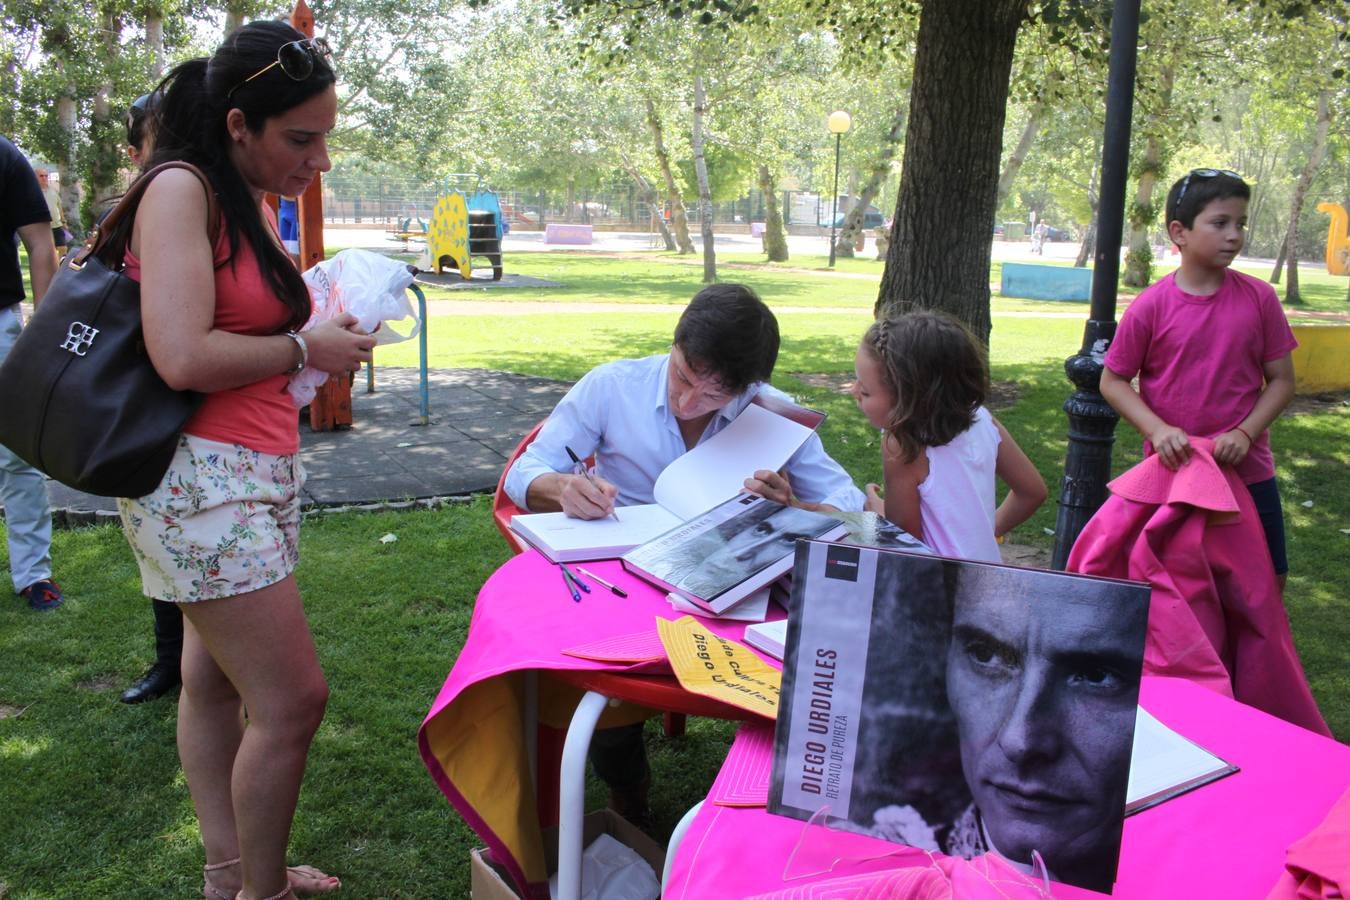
pixel 579 468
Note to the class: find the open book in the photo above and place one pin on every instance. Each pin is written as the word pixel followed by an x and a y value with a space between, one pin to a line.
pixel 718 559
pixel 764 436
pixel 1164 764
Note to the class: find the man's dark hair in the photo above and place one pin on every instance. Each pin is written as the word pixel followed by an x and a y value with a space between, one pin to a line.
pixel 1192 193
pixel 727 332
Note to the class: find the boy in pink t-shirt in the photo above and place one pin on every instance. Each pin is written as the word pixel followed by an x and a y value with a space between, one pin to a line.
pixel 1211 349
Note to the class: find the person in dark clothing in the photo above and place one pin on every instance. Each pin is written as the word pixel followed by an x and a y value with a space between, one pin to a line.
pixel 23 489
pixel 164 674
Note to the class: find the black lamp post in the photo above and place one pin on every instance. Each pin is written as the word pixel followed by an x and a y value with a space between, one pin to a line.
pixel 1092 421
pixel 838 123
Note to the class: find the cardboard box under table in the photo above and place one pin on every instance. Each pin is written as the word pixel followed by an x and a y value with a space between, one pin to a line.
pixel 489 881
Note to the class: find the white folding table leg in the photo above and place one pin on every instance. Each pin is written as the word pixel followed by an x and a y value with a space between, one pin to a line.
pixel 572 793
pixel 676 837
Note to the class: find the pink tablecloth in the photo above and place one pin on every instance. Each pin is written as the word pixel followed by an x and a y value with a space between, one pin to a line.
pixel 472 740
pixel 1226 839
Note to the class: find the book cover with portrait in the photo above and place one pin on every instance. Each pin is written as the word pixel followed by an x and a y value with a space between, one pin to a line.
pixel 718 559
pixel 961 707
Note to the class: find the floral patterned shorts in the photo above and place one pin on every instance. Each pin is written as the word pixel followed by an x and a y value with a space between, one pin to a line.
pixel 225 520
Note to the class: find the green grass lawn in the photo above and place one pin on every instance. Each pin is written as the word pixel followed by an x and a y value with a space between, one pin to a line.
pixel 91 793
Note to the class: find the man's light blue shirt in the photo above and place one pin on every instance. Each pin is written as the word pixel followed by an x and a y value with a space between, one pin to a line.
pixel 619 412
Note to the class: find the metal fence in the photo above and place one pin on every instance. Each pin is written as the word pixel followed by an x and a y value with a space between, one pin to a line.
pixel 360 199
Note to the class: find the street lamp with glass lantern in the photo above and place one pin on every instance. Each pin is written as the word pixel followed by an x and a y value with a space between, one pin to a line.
pixel 839 122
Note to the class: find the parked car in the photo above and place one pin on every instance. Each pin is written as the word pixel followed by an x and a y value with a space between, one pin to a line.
pixel 871 219
pixel 998 230
pixel 1057 234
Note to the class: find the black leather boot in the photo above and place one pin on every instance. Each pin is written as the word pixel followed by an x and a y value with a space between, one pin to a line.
pixel 157 681
pixel 163 676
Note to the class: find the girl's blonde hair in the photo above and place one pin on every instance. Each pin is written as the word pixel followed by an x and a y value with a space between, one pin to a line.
pixel 939 373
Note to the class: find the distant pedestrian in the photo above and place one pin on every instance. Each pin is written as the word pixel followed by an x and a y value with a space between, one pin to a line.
pixel 52 195
pixel 1038 237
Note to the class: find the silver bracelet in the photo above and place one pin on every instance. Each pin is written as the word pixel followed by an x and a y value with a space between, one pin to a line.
pixel 304 353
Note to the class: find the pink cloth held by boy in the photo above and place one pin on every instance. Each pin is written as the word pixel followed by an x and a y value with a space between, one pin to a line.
pixel 1216 616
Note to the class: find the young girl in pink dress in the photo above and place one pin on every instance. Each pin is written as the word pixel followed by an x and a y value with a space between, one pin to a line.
pixel 922 378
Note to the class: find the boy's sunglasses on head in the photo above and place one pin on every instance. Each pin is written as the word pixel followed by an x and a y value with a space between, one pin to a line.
pixel 1203 173
pixel 296 60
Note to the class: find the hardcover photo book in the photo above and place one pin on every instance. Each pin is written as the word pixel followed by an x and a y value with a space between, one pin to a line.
pixel 961 707
pixel 734 549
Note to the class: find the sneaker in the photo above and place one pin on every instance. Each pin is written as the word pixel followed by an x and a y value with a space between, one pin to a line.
pixel 43 596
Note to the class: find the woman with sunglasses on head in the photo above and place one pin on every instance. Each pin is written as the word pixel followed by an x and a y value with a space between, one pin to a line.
pixel 219 535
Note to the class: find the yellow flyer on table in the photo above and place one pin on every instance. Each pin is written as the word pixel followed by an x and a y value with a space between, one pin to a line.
pixel 718 668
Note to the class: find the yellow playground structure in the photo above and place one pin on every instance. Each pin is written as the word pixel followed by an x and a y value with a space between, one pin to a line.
pixel 466 222
pixel 1338 238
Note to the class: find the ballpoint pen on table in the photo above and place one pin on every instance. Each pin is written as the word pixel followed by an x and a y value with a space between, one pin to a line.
pixel 580 468
pixel 602 582
pixel 571 588
pixel 586 588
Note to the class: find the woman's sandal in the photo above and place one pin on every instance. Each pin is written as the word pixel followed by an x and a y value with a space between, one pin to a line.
pixel 295 875
pixel 209 890
pixel 282 896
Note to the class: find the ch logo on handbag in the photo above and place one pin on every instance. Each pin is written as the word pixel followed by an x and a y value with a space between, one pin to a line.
pixel 79 338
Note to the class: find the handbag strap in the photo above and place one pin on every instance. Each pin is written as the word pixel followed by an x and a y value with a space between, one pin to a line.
pixel 109 239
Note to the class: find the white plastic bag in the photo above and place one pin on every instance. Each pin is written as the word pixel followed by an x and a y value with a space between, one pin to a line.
pixel 370 286
pixel 611 870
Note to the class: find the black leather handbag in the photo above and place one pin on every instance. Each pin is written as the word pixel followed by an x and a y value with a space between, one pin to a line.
pixel 79 397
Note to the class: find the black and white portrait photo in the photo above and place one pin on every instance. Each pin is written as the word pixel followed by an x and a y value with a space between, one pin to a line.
pixel 733 541
pixel 962 707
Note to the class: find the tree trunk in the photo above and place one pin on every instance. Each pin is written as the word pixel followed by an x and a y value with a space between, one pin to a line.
pixel 853 222
pixel 1279 260
pixel 107 138
pixel 1088 247
pixel 1139 259
pixel 678 221
pixel 775 238
pixel 648 195
pixel 67 113
pixel 705 210
pixel 154 40
pixel 1029 130
pixel 941 240
pixel 1319 151
pixel 235 12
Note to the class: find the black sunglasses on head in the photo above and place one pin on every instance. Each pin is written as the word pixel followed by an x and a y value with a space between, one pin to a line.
pixel 296 60
pixel 1203 173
